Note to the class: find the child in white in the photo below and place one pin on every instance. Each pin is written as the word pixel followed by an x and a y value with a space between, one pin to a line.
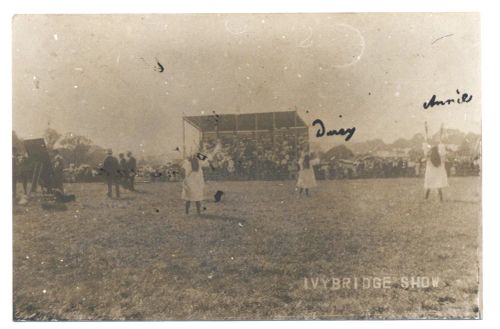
pixel 306 179
pixel 435 171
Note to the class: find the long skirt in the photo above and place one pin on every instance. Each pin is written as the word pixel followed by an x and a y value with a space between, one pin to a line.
pixel 306 178
pixel 193 186
pixel 435 177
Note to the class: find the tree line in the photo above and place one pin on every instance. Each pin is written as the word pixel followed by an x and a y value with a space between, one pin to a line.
pixel 74 148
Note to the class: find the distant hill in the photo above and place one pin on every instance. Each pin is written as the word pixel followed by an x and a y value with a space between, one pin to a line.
pixel 464 142
pixel 368 146
pixel 338 152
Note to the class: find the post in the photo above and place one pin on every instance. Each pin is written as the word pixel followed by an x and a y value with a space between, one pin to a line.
pixel 274 127
pixel 237 125
pixel 296 142
pixel 34 179
pixel 295 133
pixel 200 140
pixel 183 138
pixel 256 127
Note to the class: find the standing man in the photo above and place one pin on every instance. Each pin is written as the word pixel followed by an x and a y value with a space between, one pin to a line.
pixel 58 165
pixel 15 173
pixel 131 170
pixel 111 169
pixel 123 171
pixel 25 171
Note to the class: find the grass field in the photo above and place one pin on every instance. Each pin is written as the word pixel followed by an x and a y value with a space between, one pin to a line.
pixel 250 256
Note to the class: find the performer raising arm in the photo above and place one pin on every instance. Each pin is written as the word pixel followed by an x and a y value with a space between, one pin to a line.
pixel 194 183
pixel 435 172
pixel 306 179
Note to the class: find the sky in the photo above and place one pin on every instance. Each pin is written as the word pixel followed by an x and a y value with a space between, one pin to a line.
pixel 98 75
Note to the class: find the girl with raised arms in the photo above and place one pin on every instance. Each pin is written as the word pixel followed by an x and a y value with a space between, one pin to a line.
pixel 435 171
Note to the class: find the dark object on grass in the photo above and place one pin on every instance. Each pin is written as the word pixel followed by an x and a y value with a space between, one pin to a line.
pixel 54 206
pixel 63 198
pixel 218 196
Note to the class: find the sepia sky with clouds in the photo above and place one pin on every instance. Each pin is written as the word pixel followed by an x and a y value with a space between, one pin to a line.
pixel 97 75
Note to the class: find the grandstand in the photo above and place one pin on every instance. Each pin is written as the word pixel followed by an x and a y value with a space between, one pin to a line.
pixel 254 145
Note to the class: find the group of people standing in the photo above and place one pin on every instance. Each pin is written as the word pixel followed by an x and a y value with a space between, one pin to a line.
pixel 436 177
pixel 50 176
pixel 116 172
pixel 194 183
pixel 119 172
pixel 122 171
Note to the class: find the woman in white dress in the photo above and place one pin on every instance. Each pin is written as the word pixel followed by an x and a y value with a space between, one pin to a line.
pixel 193 185
pixel 435 171
pixel 306 178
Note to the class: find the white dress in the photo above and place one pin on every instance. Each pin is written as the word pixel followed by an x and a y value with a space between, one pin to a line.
pixel 435 177
pixel 193 185
pixel 306 177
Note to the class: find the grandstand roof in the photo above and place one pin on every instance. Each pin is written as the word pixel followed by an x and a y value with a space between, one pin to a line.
pixel 247 121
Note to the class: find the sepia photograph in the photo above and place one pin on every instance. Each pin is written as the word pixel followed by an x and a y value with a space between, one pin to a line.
pixel 293 166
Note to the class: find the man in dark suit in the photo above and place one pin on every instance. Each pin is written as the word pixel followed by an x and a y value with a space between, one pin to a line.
pixel 15 173
pixel 58 169
pixel 111 170
pixel 123 171
pixel 131 170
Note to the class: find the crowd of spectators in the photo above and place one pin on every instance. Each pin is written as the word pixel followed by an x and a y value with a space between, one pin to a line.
pixel 376 167
pixel 267 157
pixel 251 158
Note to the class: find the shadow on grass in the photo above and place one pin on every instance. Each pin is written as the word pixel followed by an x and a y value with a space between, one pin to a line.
pixel 461 201
pixel 141 192
pixel 222 217
pixel 123 198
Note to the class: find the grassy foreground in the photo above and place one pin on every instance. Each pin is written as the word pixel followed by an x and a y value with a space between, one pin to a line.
pixel 255 255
